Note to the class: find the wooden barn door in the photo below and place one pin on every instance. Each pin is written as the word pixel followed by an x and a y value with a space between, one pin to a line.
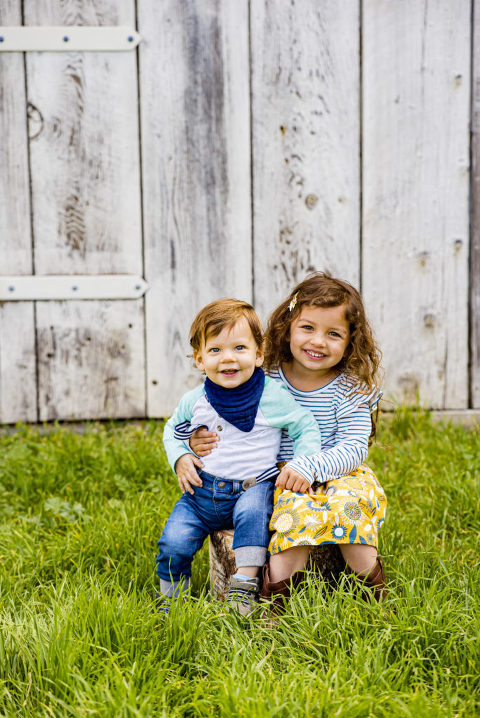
pixel 416 113
pixel 306 133
pixel 18 392
pixel 195 109
pixel 71 206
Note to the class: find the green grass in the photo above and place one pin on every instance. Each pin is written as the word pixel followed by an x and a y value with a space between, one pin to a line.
pixel 80 514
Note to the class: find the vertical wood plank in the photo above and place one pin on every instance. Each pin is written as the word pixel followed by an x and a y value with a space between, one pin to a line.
pixel 17 334
pixel 306 132
pixel 416 78
pixel 196 175
pixel 86 214
pixel 475 238
pixel 84 152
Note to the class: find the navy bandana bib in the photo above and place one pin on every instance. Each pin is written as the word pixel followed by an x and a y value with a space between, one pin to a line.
pixel 238 406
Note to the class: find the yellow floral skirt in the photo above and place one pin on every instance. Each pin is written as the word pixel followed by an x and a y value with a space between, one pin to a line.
pixel 347 510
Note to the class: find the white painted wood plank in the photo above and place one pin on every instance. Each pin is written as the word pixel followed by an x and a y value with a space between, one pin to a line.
pixel 416 79
pixel 475 239
pixel 18 395
pixel 67 38
pixel 17 335
pixel 306 130
pixel 86 214
pixel 75 286
pixel 84 148
pixel 196 175
pixel 90 360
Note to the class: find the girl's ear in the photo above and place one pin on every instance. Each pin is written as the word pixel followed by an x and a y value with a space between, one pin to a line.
pixel 197 358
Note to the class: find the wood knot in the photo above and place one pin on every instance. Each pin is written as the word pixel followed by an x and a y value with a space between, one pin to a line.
pixel 34 120
pixel 311 200
pixel 429 320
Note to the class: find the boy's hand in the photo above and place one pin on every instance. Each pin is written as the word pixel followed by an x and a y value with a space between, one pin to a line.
pixel 203 441
pixel 293 481
pixel 187 473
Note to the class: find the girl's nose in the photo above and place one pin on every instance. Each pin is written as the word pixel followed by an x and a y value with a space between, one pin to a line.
pixel 318 339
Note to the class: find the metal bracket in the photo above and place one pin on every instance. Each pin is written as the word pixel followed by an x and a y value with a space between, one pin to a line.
pixel 67 38
pixel 102 286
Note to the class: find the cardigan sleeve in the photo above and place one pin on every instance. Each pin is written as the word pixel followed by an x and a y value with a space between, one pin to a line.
pixel 174 442
pixel 282 411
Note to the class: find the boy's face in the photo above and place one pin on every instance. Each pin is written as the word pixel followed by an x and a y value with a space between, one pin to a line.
pixel 230 358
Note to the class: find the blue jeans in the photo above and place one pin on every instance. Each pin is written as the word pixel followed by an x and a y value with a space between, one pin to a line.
pixel 218 504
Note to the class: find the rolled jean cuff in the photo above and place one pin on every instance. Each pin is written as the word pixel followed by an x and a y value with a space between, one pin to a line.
pixel 171 589
pixel 250 556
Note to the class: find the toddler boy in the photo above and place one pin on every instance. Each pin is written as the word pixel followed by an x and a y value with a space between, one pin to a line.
pixel 233 486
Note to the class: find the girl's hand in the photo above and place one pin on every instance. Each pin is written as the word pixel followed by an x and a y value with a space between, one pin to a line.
pixel 187 473
pixel 293 481
pixel 202 442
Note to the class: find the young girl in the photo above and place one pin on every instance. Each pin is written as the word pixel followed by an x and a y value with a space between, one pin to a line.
pixel 320 345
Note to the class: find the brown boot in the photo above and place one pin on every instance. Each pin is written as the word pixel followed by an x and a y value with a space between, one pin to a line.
pixel 374 582
pixel 279 591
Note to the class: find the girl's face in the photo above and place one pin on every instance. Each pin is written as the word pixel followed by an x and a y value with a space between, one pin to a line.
pixel 319 337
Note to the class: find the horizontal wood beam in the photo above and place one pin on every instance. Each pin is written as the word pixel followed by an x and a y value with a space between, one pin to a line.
pixel 67 38
pixel 102 286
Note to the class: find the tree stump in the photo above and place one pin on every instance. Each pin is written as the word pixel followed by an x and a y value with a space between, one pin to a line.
pixel 327 560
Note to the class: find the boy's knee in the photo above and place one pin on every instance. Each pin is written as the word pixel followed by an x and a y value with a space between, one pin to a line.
pixel 253 511
pixel 175 541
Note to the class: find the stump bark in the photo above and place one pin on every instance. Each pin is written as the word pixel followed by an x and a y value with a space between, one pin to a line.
pixel 327 560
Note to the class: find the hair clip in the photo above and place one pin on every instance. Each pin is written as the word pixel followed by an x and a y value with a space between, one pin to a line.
pixel 292 304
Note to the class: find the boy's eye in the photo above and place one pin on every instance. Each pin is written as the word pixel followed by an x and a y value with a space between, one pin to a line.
pixel 214 350
pixel 239 347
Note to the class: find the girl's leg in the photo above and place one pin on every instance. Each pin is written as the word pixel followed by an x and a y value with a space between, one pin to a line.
pixel 364 562
pixel 359 557
pixel 285 564
pixel 284 572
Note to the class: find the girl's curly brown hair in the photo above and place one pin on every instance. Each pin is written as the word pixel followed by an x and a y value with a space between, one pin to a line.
pixel 362 357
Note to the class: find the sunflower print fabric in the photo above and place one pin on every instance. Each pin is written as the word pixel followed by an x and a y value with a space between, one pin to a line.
pixel 347 510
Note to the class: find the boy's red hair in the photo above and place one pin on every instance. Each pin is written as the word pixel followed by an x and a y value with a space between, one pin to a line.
pixel 218 315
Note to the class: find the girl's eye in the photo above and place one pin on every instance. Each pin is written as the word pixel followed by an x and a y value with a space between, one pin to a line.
pixel 335 334
pixel 308 327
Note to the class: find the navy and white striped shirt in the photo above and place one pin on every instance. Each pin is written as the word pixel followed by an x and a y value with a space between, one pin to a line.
pixel 344 418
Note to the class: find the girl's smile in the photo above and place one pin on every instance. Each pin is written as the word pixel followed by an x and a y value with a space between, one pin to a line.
pixel 319 337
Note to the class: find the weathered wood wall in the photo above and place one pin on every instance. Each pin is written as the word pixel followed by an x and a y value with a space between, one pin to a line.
pixel 242 145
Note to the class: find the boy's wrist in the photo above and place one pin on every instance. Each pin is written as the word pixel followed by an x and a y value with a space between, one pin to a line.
pixel 185 453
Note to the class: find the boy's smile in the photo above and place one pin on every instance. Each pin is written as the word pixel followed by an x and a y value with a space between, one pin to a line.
pixel 229 359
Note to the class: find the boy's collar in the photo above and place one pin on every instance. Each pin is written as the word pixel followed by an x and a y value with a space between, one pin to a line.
pixel 239 405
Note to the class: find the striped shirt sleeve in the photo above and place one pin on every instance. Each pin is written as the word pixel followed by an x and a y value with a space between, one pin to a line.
pixel 350 449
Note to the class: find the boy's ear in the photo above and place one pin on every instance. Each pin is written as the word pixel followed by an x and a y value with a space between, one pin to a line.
pixel 260 357
pixel 197 358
